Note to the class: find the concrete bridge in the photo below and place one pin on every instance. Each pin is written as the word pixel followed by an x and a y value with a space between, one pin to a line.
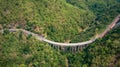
pixel 70 46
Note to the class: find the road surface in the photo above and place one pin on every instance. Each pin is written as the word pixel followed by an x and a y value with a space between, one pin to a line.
pixel 41 38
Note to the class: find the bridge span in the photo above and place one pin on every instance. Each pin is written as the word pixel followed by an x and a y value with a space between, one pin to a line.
pixel 74 46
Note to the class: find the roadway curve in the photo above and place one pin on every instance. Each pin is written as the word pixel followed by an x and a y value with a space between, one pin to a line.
pixel 41 38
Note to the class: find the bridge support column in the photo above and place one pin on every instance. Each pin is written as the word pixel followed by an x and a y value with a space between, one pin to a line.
pixel 66 49
pixel 75 48
pixel 58 47
pixel 53 46
pixel 78 47
pixel 63 48
pixel 81 47
pixel 72 49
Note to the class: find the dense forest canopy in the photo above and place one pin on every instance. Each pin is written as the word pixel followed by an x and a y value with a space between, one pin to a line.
pixel 62 21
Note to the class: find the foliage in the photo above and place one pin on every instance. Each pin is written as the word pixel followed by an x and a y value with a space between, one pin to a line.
pixel 61 21
pixel 103 53
pixel 27 52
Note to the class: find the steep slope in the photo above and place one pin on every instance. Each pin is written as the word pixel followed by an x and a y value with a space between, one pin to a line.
pixel 62 21
pixel 55 19
pixel 17 50
pixel 103 53
pixel 104 11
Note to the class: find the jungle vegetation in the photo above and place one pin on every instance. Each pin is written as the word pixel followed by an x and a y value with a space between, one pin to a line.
pixel 62 21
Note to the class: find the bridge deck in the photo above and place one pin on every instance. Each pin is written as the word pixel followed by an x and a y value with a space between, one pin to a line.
pixel 41 38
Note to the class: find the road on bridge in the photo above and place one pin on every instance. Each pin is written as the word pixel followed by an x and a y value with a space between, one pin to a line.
pixel 41 38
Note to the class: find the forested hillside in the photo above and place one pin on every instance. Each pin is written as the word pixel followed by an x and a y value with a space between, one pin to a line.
pixel 103 53
pixel 18 50
pixel 61 21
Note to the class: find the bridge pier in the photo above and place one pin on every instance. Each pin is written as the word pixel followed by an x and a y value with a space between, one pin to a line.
pixel 78 48
pixel 63 48
pixel 58 47
pixel 68 48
